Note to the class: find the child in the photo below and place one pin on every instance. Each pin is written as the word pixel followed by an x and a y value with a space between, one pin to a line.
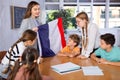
pixel 90 35
pixel 109 54
pixel 27 68
pixel 28 39
pixel 72 49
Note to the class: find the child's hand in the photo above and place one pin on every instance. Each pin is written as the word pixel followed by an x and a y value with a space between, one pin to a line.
pixel 70 55
pixel 103 61
pixel 82 57
pixel 20 59
pixel 39 60
pixel 61 54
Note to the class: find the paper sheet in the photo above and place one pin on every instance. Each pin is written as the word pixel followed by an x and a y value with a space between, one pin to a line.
pixel 92 70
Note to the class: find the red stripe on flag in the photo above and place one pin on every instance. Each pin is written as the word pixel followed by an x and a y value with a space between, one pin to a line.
pixel 60 26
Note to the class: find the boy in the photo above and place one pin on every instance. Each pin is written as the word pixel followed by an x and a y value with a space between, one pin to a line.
pixel 72 49
pixel 109 54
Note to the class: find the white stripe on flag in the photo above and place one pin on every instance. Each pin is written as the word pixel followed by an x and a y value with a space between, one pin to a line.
pixel 39 45
pixel 54 36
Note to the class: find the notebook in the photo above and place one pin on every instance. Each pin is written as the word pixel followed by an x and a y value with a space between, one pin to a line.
pixel 65 67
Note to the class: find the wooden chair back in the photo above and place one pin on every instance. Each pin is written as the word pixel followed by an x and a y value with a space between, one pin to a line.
pixel 2 54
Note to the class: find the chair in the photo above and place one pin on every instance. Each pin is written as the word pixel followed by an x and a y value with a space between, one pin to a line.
pixel 2 54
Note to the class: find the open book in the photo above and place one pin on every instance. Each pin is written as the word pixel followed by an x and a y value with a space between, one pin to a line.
pixel 65 67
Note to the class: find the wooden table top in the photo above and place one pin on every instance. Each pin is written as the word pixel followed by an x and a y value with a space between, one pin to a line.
pixel 110 72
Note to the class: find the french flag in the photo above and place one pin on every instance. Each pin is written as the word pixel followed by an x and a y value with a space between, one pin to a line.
pixel 51 38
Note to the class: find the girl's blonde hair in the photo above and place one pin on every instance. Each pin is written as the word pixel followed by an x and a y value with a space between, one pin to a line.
pixel 83 15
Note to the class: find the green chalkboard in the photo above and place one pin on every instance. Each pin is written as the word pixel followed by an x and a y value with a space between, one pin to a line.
pixel 17 14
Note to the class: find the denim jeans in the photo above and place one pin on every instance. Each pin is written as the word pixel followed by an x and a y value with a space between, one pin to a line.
pixel 2 68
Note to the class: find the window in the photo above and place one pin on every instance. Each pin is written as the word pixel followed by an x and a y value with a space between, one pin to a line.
pixel 99 16
pixel 114 18
pixel 51 0
pixel 70 0
pixel 96 10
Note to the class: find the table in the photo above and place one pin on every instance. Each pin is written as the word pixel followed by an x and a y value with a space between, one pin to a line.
pixel 110 72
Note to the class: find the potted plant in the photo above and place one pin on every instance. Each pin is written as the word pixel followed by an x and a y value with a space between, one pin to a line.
pixel 65 14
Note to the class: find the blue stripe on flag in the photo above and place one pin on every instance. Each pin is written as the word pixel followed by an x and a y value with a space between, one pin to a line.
pixel 43 31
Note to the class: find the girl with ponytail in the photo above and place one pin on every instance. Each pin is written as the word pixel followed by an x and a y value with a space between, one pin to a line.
pixel 90 35
pixel 15 52
pixel 27 68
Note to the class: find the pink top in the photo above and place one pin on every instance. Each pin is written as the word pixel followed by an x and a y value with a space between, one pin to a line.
pixel 20 75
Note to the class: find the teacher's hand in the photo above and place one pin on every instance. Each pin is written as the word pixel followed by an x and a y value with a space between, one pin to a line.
pixel 35 29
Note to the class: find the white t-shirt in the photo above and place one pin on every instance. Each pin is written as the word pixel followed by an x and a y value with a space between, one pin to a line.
pixel 93 39
pixel 16 53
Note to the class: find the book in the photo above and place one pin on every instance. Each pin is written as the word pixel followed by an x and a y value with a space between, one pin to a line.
pixel 65 67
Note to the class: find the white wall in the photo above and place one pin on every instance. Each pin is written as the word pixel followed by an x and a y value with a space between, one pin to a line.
pixel 7 35
pixel 115 32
